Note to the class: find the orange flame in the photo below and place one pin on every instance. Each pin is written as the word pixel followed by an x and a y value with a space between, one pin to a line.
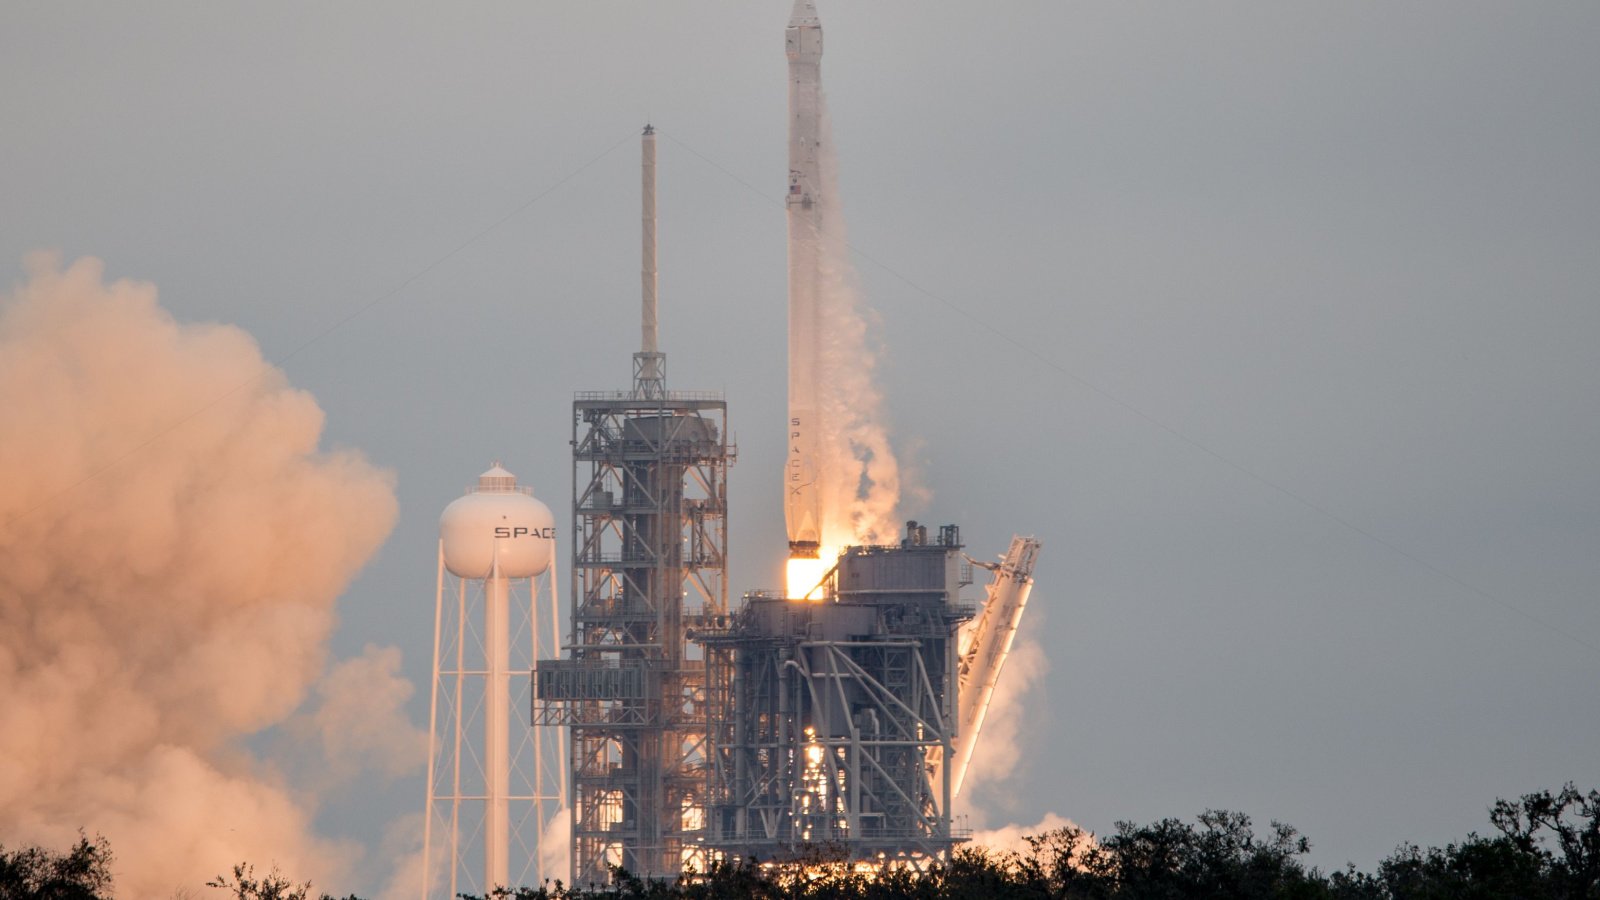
pixel 803 577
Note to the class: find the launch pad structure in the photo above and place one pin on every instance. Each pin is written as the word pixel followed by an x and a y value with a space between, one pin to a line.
pixel 824 714
pixel 841 724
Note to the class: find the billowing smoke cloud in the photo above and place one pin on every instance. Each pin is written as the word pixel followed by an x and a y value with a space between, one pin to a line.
pixel 995 772
pixel 357 722
pixel 169 563
pixel 555 854
pixel 400 856
pixel 864 482
pixel 999 750
pixel 1013 838
pixel 861 486
pixel 991 787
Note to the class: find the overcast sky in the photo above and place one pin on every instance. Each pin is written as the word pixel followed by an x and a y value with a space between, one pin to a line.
pixel 1274 322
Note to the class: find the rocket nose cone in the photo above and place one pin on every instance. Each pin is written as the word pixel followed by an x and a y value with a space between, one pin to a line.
pixel 804 14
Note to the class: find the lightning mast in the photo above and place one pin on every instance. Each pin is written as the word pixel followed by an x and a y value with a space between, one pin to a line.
pixel 649 363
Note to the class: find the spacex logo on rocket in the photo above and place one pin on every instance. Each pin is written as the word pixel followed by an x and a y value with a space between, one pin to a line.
pixel 794 450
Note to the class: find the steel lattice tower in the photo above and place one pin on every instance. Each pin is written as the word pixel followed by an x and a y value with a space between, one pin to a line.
pixel 649 560
pixel 649 520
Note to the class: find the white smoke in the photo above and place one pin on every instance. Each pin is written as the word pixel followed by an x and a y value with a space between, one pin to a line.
pixel 865 482
pixel 555 854
pixel 995 770
pixel 169 564
pixel 1000 747
pixel 357 723
pixel 990 790
pixel 1013 838
pixel 862 483
pixel 400 854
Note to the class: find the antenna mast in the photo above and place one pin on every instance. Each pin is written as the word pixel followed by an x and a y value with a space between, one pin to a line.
pixel 649 364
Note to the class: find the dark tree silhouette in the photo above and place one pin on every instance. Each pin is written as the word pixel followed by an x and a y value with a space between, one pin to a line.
pixel 1546 847
pixel 33 873
pixel 272 886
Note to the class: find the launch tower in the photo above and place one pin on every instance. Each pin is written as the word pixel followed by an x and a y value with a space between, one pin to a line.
pixel 649 559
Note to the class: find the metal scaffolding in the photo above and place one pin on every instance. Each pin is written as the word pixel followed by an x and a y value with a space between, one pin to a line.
pixel 650 476
pixel 823 715
pixel 649 561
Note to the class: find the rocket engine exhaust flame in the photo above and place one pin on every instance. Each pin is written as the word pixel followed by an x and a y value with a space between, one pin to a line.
pixel 156 616
pixel 804 576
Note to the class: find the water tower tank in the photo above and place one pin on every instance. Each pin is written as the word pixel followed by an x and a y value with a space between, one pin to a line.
pixel 497 518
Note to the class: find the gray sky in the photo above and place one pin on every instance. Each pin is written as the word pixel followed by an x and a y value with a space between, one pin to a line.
pixel 1273 322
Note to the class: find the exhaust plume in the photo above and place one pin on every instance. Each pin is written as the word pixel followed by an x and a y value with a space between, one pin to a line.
pixel 163 603
pixel 999 750
pixel 861 485
pixel 356 724
pixel 1013 838
pixel 555 854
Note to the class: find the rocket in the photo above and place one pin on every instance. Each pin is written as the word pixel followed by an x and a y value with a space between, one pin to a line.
pixel 802 501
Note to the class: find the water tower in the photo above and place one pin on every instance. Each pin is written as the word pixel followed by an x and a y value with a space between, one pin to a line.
pixel 496 783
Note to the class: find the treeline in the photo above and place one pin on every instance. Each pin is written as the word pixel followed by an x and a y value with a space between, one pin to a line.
pixel 1545 846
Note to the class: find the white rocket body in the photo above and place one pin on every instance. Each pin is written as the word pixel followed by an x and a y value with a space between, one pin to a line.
pixel 802 504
